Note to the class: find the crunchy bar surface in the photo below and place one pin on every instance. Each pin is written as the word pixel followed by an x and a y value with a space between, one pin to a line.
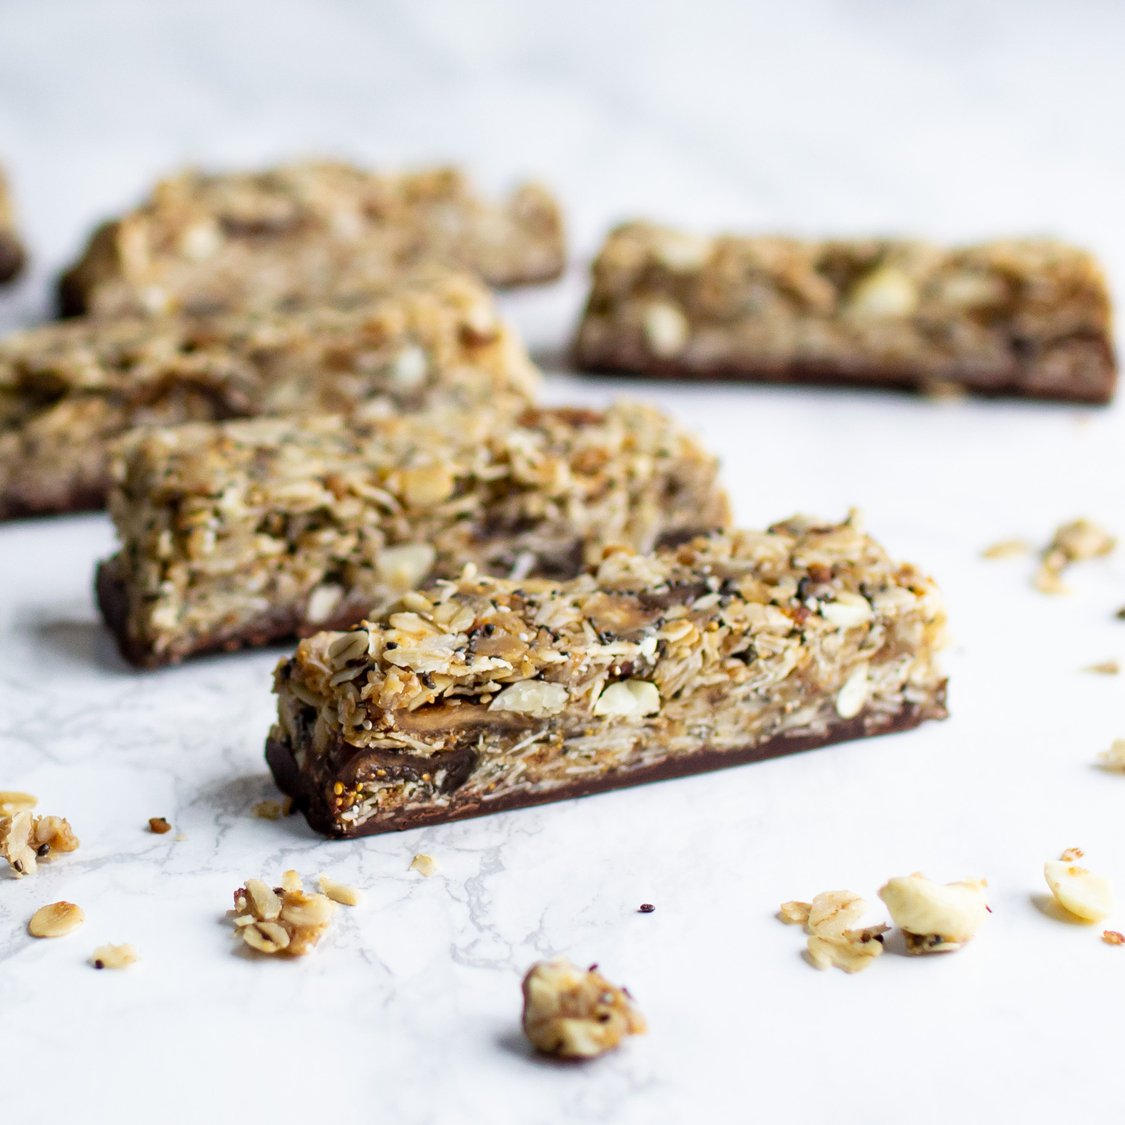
pixel 242 532
pixel 68 389
pixel 1026 318
pixel 203 242
pixel 11 248
pixel 481 694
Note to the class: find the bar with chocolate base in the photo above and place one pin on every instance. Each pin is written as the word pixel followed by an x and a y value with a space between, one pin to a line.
pixel 240 533
pixel 481 694
pixel 204 242
pixel 12 254
pixel 1027 318
pixel 68 389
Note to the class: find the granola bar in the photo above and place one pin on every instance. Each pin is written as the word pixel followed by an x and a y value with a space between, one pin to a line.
pixel 11 248
pixel 1027 318
pixel 68 389
pixel 482 694
pixel 240 533
pixel 203 242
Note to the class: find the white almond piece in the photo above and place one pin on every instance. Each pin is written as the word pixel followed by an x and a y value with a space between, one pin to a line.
pixel 531 697
pixel 410 367
pixel 666 329
pixel 425 865
pixel 404 566
pixel 846 610
pixel 850 699
pixel 322 602
pixel 935 917
pixel 630 699
pixel 885 292
pixel 1079 891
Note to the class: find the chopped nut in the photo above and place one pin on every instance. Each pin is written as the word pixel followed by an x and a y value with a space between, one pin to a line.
pixel 1113 759
pixel 425 485
pixel 338 892
pixel 794 912
pixel 884 292
pixel 26 839
pixel 55 920
pixel 113 956
pixel 852 696
pixel 1113 937
pixel 1104 668
pixel 424 865
pixel 628 699
pixel 12 802
pixel 935 917
pixel 1006 549
pixel 576 1014
pixel 1077 890
pixel 158 825
pixel 666 329
pixel 1072 542
pixel 284 919
pixel 405 566
pixel 531 697
pixel 847 610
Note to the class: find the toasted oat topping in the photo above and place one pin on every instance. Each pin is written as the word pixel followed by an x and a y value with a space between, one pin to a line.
pixel 229 240
pixel 1077 890
pixel 25 840
pixel 285 919
pixel 56 919
pixel 1072 542
pixel 236 527
pixel 424 864
pixel 936 917
pixel 576 1014
pixel 113 957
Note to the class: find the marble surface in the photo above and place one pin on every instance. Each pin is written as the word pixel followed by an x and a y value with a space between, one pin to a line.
pixel 956 120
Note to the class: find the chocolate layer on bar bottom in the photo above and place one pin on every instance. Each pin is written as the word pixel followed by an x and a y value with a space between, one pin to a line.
pixel 279 755
pixel 276 625
pixel 998 384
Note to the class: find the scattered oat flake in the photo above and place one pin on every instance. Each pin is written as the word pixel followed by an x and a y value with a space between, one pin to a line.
pixel 794 913
pixel 424 865
pixel 158 825
pixel 338 892
pixel 55 920
pixel 1006 549
pixel 113 956
pixel 1072 542
pixel 1104 668
pixel 1113 759
pixel 1113 937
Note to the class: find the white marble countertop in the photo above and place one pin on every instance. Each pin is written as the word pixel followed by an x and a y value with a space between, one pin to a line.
pixel 958 121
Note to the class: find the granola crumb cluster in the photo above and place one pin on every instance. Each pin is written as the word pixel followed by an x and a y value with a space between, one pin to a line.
pixel 573 1013
pixel 286 919
pixel 1072 542
pixel 25 840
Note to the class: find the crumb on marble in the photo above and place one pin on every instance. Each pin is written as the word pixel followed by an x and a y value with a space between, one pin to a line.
pixel 1072 542
pixel 12 802
pixel 1113 759
pixel 1006 549
pixel 26 839
pixel 424 864
pixel 113 956
pixel 338 892
pixel 646 908
pixel 1104 668
pixel 159 825
pixel 576 1014
pixel 285 919
pixel 273 810
pixel 56 919
pixel 1113 937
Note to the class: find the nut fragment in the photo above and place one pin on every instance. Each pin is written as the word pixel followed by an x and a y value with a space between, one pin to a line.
pixel 1006 549
pixel 852 696
pixel 405 566
pixel 829 920
pixel 884 292
pixel 628 699
pixel 424 865
pixel 1072 542
pixel 537 698
pixel 1113 759
pixel 1113 937
pixel 666 329
pixel 794 912
pixel 113 956
pixel 1077 890
pixel 847 610
pixel 851 951
pixel 26 839
pixel 935 917
pixel 55 919
pixel 576 1014
pixel 1104 668
pixel 338 892
pixel 272 810
pixel 158 825
pixel 284 919
pixel 831 913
